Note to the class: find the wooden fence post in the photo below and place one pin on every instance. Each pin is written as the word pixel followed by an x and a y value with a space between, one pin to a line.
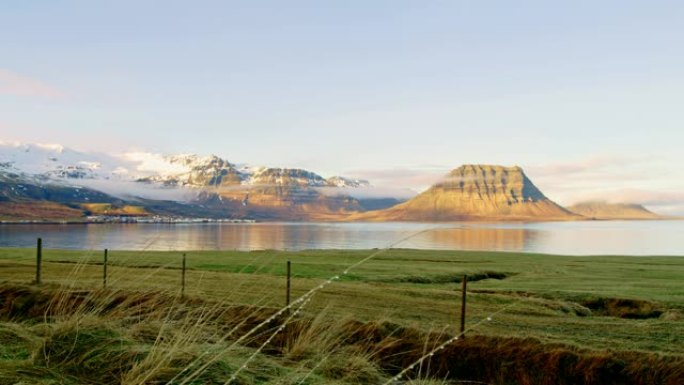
pixel 289 286
pixel 104 269
pixel 39 260
pixel 183 278
pixel 464 283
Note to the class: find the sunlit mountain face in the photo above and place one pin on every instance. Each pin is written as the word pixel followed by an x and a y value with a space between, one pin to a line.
pixel 182 184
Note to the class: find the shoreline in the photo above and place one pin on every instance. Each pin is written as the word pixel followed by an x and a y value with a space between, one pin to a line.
pixel 331 251
pixel 172 220
pixel 169 221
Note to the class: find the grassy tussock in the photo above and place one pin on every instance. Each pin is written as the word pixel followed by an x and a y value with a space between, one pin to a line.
pixel 57 335
pixel 624 308
pixel 450 278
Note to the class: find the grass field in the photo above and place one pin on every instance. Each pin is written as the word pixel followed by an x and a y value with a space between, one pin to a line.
pixel 626 309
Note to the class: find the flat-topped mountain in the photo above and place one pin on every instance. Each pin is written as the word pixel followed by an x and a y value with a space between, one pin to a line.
pixel 477 192
pixel 605 210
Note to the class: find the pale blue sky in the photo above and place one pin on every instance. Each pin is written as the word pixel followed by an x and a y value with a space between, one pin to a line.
pixel 586 95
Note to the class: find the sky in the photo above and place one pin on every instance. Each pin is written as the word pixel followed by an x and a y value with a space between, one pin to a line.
pixel 584 95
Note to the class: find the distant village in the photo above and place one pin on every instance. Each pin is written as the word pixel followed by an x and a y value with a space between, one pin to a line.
pixel 95 219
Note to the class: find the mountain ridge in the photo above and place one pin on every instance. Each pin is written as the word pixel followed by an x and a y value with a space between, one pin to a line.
pixel 183 170
pixel 605 210
pixel 202 183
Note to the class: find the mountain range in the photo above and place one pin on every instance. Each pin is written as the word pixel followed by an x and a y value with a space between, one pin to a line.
pixel 58 182
pixel 51 182
pixel 606 210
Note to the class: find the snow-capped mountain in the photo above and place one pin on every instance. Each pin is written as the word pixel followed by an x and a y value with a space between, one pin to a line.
pixel 55 181
pixel 50 163
pixel 53 161
pixel 185 170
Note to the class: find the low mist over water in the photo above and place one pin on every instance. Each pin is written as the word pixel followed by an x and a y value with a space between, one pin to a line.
pixel 573 238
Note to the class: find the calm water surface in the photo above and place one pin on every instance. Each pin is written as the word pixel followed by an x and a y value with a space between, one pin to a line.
pixel 575 238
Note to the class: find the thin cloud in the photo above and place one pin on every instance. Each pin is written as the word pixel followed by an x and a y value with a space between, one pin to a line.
pixel 614 179
pixel 414 178
pixel 12 83
pixel 368 192
pixel 641 196
pixel 131 189
pixel 584 166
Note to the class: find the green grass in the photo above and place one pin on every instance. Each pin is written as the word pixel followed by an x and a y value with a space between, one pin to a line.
pixel 649 278
pixel 578 302
pixel 653 278
pixel 409 286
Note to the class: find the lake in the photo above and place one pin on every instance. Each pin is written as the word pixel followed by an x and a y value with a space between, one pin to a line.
pixel 573 238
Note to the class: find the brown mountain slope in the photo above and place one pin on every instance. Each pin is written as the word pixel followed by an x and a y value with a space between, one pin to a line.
pixel 605 210
pixel 37 211
pixel 282 202
pixel 281 194
pixel 476 192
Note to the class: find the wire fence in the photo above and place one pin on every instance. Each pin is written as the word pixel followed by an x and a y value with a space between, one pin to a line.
pixel 290 294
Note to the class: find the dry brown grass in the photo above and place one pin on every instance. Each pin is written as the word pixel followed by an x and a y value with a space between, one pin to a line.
pixel 39 211
pixel 120 336
pixel 110 209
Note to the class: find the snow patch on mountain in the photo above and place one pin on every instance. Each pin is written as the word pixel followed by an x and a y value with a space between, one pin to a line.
pixel 147 164
pixel 340 181
pixel 52 160
pixel 284 177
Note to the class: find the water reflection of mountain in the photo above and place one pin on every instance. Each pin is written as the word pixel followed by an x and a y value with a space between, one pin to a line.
pixel 300 236
pixel 571 238
pixel 478 238
pixel 264 236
